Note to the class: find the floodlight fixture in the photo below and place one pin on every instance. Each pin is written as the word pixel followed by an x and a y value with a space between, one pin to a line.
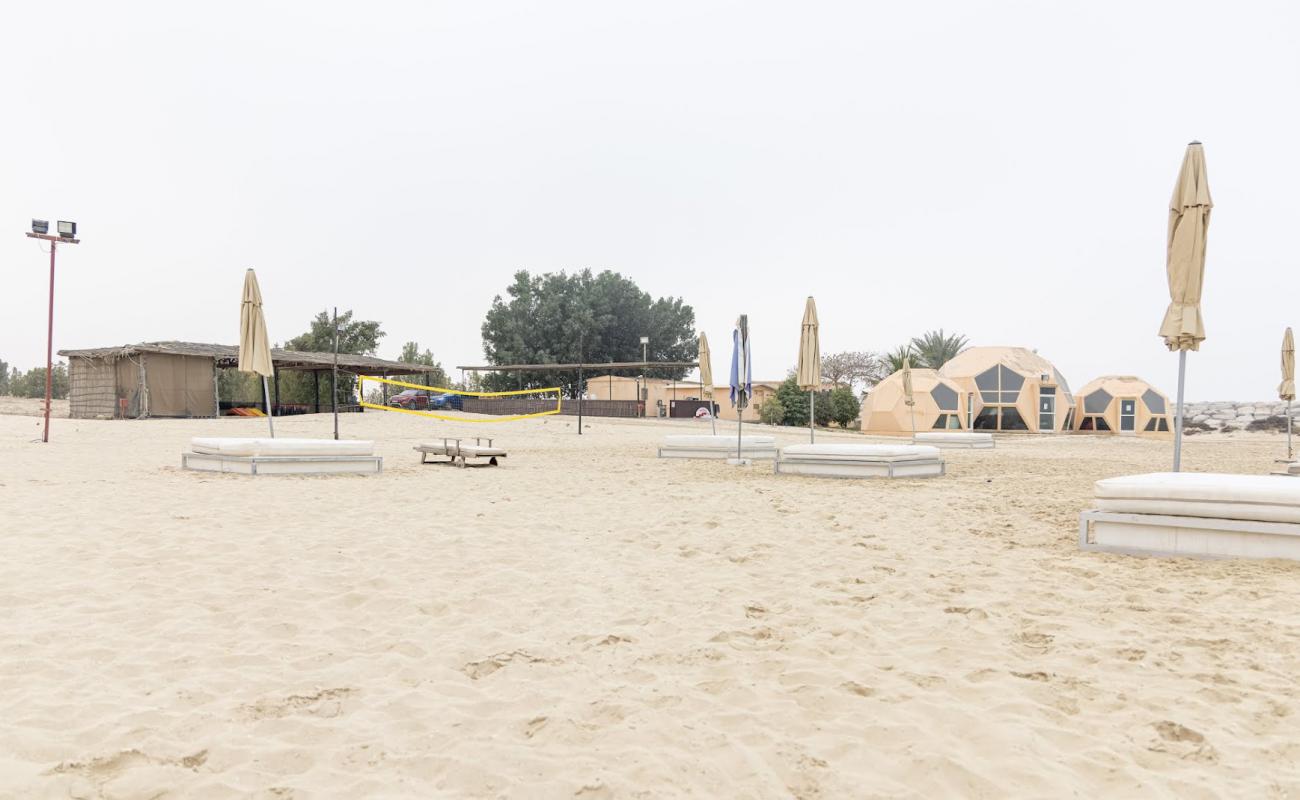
pixel 645 340
pixel 67 230
pixel 40 226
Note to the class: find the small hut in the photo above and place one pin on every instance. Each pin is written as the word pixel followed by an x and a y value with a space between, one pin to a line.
pixel 1122 404
pixel 938 404
pixel 179 379
pixel 1011 389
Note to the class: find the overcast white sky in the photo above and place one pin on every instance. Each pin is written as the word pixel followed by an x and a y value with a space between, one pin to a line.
pixel 998 169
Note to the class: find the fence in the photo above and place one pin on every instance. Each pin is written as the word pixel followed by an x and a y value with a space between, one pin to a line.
pixel 528 405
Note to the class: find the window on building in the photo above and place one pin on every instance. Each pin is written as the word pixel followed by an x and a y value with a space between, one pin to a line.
pixel 1086 424
pixel 944 397
pixel 1155 403
pixel 1012 421
pixel 1097 402
pixel 1164 425
pixel 1102 424
pixel 1151 425
pixel 987 419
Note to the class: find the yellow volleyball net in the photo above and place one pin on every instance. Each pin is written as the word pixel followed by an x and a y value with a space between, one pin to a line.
pixel 439 402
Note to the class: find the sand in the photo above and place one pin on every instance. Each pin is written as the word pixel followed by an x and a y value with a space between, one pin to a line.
pixel 590 621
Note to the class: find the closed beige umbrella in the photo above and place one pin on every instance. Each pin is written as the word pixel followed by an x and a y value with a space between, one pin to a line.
pixel 254 345
pixel 706 378
pixel 908 398
pixel 1189 220
pixel 1286 390
pixel 809 373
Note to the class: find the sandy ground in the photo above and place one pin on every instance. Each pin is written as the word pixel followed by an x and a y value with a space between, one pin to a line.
pixel 590 621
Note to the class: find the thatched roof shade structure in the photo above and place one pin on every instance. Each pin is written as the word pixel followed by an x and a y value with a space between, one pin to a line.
pixel 179 379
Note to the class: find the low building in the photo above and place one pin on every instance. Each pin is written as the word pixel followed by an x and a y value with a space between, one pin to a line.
pixel 660 393
pixel 938 405
pixel 1123 404
pixel 1010 389
pixel 179 379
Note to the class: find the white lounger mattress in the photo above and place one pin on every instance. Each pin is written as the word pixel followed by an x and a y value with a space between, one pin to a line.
pixel 860 452
pixel 248 448
pixel 1264 498
pixel 953 436
pixel 706 442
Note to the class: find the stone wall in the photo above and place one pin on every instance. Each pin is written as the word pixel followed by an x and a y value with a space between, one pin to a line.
pixel 1238 415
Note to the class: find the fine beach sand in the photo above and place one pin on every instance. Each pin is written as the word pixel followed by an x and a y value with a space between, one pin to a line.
pixel 590 621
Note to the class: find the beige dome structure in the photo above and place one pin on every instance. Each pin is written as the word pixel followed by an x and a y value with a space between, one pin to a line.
pixel 1011 389
pixel 1123 404
pixel 938 405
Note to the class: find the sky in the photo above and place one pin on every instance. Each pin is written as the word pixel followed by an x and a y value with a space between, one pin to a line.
pixel 1002 170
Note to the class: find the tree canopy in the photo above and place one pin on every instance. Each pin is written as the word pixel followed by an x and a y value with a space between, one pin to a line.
pixel 853 368
pixel 558 317
pixel 935 348
pixel 411 354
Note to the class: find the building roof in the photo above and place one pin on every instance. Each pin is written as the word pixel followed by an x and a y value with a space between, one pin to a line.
pixel 228 356
pixel 1120 385
pixel 974 360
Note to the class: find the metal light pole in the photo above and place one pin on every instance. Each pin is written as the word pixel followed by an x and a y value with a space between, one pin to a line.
pixel 67 234
pixel 334 378
pixel 645 348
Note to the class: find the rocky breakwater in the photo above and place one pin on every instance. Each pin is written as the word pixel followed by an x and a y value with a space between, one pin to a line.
pixel 1230 416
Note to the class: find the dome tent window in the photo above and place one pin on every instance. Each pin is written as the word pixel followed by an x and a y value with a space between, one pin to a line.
pixel 1155 402
pixel 944 397
pixel 1097 402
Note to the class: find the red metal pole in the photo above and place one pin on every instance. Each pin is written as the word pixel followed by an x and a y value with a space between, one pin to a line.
pixel 49 349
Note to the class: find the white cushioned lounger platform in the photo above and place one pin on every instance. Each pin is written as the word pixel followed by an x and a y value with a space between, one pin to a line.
pixel 257 456
pixel 722 446
pixel 1195 514
pixel 458 453
pixel 861 460
pixel 955 439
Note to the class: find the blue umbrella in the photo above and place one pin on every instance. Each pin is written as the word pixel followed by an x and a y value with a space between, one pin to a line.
pixel 742 378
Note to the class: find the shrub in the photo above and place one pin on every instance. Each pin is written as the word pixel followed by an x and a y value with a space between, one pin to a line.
pixel 772 412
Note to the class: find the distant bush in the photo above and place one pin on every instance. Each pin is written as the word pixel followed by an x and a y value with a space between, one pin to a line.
pixel 772 412
pixel 1192 428
pixel 32 382
pixel 1274 423
pixel 844 406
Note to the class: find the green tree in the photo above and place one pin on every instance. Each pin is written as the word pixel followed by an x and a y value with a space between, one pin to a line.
pixel 557 318
pixel 411 355
pixel 844 405
pixel 771 412
pixel 934 348
pixel 795 403
pixel 893 360
pixel 357 337
pixel 4 377
pixel 32 382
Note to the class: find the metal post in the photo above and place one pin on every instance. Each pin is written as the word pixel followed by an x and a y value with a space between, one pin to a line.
pixel 266 395
pixel 315 391
pixel 812 416
pixel 49 350
pixel 1178 417
pixel 579 384
pixel 1290 456
pixel 740 418
pixel 334 378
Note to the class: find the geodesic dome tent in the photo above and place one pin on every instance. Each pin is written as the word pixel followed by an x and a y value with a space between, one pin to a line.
pixel 1123 404
pixel 1011 389
pixel 938 404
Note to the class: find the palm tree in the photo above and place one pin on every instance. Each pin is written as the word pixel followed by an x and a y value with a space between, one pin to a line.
pixel 934 348
pixel 894 359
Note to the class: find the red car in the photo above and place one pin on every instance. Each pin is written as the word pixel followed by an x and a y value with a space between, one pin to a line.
pixel 410 398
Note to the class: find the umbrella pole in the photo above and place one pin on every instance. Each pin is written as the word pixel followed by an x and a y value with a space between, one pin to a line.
pixel 266 393
pixel 1289 453
pixel 740 422
pixel 812 415
pixel 1178 413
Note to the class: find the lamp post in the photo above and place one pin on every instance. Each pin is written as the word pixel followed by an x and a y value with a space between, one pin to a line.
pixel 645 347
pixel 68 235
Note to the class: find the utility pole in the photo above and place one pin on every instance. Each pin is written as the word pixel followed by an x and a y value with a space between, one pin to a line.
pixel 67 235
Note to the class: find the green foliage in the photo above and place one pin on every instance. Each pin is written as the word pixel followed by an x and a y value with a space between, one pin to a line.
pixel 844 406
pixel 359 337
pixel 795 403
pixel 933 349
pixel 893 360
pixel 794 400
pixel 32 382
pixel 4 377
pixel 411 355
pixel 558 317
pixel 772 412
